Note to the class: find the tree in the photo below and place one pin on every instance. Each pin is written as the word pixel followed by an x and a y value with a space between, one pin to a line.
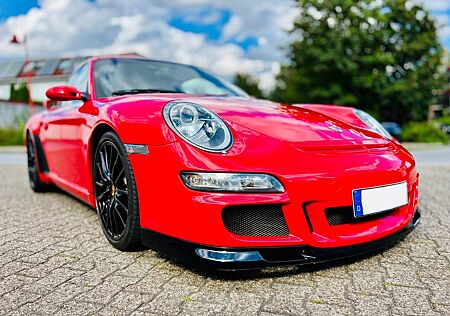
pixel 20 94
pixel 249 85
pixel 381 56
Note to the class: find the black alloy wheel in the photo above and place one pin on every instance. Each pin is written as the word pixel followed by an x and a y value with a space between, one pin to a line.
pixel 116 194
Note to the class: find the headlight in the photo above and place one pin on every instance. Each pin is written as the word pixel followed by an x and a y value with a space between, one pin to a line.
pixel 232 182
pixel 372 123
pixel 198 126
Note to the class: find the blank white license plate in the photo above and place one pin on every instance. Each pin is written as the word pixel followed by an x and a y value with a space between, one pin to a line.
pixel 378 199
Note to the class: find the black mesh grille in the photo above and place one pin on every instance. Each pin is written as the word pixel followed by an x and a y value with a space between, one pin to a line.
pixel 255 220
pixel 344 215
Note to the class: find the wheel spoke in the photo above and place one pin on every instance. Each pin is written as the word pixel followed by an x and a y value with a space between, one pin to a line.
pixel 104 168
pixel 113 167
pixel 100 184
pixel 110 221
pixel 120 216
pixel 118 177
pixel 121 205
pixel 113 217
pixel 121 191
pixel 102 208
pixel 102 195
pixel 110 159
pixel 101 172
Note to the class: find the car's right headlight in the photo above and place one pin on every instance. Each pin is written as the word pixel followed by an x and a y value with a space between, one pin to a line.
pixel 231 182
pixel 198 126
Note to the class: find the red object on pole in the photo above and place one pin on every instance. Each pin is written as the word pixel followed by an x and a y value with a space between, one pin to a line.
pixel 14 40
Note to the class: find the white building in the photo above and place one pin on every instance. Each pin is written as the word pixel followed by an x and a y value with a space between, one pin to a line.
pixel 42 73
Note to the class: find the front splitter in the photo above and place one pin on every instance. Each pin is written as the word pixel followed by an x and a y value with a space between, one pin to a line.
pixel 188 252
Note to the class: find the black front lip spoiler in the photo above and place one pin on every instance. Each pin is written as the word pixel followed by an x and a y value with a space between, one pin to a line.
pixel 185 251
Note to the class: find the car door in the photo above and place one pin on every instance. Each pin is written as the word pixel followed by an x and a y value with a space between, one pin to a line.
pixel 62 136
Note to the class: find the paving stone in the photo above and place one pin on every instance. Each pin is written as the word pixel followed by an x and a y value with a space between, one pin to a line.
pixel 130 301
pixel 411 301
pixel 288 299
pixel 169 300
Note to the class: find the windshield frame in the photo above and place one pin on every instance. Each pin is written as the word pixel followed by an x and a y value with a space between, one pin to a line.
pixel 227 85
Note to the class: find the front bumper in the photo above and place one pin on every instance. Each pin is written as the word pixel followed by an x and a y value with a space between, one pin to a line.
pixel 187 252
pixel 313 182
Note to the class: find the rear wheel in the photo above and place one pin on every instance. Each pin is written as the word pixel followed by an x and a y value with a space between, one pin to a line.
pixel 116 193
pixel 33 171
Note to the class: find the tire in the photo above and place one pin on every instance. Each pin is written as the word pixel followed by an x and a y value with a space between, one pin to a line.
pixel 116 194
pixel 33 170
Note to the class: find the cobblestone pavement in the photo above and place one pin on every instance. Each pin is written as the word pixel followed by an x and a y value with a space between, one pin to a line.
pixel 55 260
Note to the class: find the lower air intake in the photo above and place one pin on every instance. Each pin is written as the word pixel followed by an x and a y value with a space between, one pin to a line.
pixel 255 220
pixel 344 215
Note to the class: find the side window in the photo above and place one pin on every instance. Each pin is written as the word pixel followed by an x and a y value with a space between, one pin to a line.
pixel 79 78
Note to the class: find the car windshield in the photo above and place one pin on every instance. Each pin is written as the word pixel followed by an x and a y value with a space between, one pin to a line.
pixel 118 76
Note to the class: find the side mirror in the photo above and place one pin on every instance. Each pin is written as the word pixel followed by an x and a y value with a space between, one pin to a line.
pixel 65 93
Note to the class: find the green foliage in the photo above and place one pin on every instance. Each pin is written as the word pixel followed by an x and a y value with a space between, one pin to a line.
pixel 12 134
pixel 10 137
pixel 423 132
pixel 249 85
pixel 444 120
pixel 382 57
pixel 19 94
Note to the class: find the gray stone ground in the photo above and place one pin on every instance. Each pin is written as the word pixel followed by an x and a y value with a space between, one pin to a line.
pixel 54 260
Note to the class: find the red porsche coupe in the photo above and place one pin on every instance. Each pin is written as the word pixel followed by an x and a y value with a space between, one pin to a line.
pixel 179 159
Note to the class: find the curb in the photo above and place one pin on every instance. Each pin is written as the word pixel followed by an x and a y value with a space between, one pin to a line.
pixel 12 149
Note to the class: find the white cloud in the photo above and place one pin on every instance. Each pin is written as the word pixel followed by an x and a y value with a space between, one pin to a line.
pixel 80 27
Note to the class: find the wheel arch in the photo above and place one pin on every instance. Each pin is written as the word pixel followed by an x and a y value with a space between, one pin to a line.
pixel 96 134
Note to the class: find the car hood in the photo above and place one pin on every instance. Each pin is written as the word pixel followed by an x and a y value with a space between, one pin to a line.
pixel 291 123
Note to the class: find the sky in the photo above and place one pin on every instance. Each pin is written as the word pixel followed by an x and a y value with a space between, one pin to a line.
pixel 225 36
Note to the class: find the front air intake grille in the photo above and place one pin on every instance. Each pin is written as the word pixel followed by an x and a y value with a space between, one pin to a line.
pixel 255 220
pixel 344 215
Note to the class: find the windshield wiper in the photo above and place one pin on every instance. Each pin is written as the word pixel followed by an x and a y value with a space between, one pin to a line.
pixel 136 91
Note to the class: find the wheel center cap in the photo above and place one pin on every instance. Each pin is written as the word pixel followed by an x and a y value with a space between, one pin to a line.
pixel 113 190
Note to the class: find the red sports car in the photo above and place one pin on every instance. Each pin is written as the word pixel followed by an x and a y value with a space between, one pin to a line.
pixel 176 158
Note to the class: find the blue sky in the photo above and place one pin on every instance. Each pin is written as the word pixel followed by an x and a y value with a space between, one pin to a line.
pixel 13 8
pixel 210 22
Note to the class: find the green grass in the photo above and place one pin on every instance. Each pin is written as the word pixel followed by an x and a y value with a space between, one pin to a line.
pixel 11 137
pixel 423 132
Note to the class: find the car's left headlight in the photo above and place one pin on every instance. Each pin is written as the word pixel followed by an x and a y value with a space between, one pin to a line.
pixel 198 126
pixel 372 123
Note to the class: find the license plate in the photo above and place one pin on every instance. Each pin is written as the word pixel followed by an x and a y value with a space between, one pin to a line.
pixel 379 199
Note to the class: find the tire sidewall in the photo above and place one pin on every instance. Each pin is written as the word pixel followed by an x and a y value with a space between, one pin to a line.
pixel 33 178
